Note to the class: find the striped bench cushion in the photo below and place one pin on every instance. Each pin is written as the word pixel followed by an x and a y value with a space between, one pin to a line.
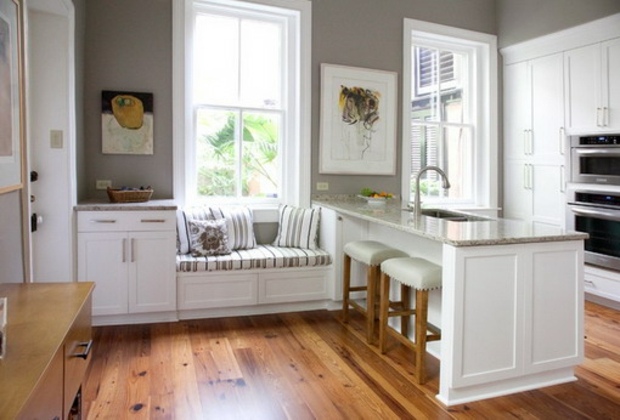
pixel 263 256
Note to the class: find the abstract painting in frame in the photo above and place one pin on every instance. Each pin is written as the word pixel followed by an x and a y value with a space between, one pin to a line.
pixel 126 123
pixel 358 121
pixel 11 95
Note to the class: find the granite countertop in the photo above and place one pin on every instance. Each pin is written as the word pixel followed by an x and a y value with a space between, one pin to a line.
pixel 104 205
pixel 469 233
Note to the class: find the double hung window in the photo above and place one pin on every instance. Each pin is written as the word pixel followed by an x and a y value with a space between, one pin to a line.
pixel 244 131
pixel 447 114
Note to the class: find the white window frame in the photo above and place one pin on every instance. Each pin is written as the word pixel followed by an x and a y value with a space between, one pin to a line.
pixel 294 154
pixel 485 188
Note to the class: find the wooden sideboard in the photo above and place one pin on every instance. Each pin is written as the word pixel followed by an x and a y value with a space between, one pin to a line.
pixel 48 340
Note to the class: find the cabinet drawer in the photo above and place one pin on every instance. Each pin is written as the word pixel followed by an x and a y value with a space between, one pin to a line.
pixel 114 221
pixel 77 358
pixel 602 286
pixel 217 291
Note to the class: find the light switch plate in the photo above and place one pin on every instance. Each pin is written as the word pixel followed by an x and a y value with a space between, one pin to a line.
pixel 56 141
pixel 322 186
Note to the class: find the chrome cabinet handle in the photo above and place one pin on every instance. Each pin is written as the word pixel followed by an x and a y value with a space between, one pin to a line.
pixel 87 346
pixel 103 221
pixel 132 249
pixel 124 249
pixel 153 221
pixel 589 282
pixel 598 117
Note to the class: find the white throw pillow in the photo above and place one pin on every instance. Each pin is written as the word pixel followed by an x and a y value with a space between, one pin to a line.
pixel 298 227
pixel 239 222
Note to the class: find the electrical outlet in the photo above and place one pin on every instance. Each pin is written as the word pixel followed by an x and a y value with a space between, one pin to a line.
pixel 322 186
pixel 102 184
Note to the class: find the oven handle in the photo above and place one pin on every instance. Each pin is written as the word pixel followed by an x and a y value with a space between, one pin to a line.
pixel 597 151
pixel 598 213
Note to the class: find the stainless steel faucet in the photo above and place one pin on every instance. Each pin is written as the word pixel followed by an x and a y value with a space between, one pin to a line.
pixel 417 205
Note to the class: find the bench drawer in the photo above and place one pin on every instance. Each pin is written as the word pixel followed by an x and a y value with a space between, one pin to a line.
pixel 217 291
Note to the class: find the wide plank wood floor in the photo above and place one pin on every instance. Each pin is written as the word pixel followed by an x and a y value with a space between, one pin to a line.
pixel 311 366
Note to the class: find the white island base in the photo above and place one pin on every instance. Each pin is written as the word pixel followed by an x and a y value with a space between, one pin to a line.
pixel 511 304
pixel 512 318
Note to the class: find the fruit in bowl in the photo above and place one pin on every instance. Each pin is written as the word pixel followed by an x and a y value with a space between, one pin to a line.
pixel 374 198
pixel 369 193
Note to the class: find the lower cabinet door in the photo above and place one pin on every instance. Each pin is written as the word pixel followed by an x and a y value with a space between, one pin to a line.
pixel 102 258
pixel 152 272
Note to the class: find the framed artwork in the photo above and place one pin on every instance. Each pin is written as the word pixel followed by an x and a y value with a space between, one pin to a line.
pixel 358 121
pixel 12 118
pixel 126 123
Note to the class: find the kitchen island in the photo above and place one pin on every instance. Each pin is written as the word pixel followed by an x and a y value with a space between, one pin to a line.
pixel 511 305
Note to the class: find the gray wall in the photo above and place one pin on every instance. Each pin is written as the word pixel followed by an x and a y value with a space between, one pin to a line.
pixel 128 46
pixel 521 20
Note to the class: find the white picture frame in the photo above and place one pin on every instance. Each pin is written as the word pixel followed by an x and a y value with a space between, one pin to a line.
pixel 12 119
pixel 358 121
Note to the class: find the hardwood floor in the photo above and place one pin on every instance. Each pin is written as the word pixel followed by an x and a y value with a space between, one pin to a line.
pixel 311 366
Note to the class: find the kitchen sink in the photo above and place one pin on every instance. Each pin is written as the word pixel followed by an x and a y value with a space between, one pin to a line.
pixel 452 216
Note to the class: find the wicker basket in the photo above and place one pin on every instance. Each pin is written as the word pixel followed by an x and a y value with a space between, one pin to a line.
pixel 129 196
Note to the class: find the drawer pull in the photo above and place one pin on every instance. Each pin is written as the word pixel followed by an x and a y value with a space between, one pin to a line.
pixel 103 221
pixel 87 346
pixel 590 283
pixel 153 220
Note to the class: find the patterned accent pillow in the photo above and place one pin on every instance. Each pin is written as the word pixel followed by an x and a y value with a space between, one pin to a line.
pixel 239 221
pixel 298 227
pixel 208 237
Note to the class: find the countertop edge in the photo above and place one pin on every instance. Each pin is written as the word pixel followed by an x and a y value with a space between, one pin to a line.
pixel 561 237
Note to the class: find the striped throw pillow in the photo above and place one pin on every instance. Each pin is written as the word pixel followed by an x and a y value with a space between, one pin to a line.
pixel 239 222
pixel 298 227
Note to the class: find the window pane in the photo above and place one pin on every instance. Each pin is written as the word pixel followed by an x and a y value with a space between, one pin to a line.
pixel 260 163
pixel 450 148
pixel 216 60
pixel 216 152
pixel 261 64
pixel 440 83
pixel 458 160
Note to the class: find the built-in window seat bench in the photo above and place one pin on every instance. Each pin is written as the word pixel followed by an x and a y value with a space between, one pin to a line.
pixel 270 263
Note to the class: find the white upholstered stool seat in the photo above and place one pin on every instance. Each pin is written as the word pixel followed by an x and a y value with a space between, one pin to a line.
pixel 412 273
pixel 371 254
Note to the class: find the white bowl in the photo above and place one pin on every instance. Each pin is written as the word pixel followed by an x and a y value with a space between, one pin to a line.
pixel 375 201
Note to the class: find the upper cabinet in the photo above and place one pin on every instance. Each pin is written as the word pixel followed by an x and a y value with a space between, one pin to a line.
pixel 592 86
pixel 534 110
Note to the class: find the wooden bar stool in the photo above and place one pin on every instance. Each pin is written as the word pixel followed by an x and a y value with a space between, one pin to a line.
pixel 412 273
pixel 372 254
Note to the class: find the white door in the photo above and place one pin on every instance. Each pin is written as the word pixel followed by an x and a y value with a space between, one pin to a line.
pixel 517 106
pixel 547 106
pixel 583 86
pixel 103 259
pixel 51 134
pixel 611 81
pixel 152 285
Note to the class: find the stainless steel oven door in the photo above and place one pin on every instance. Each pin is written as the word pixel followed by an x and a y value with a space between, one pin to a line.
pixel 595 165
pixel 602 248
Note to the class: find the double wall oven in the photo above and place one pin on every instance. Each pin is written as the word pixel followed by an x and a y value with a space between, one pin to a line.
pixel 593 197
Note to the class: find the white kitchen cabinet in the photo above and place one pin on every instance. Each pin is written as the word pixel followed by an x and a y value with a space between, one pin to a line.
pixel 539 295
pixel 534 140
pixel 130 255
pixel 593 87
